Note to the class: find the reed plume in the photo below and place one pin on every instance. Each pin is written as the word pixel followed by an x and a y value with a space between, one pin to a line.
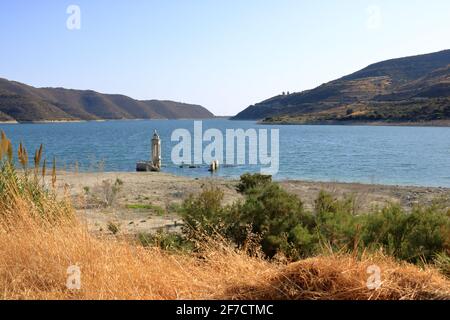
pixel 54 173
pixel 9 151
pixel 37 161
pixel 5 147
pixel 2 149
pixel 22 155
pixel 44 169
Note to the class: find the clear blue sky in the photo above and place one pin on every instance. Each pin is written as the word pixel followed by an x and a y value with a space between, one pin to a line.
pixel 223 54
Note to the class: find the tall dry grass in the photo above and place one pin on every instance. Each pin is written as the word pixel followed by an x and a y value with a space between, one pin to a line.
pixel 34 258
pixel 40 239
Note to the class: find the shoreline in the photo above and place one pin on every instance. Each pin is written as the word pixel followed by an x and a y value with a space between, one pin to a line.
pixel 277 180
pixel 9 122
pixel 436 124
pixel 97 120
pixel 427 124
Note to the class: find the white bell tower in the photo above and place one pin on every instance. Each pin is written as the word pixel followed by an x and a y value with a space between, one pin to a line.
pixel 156 151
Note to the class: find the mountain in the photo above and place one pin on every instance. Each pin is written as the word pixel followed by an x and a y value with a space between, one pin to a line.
pixel 22 103
pixel 411 89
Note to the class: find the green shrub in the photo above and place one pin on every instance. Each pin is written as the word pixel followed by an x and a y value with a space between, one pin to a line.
pixel 282 225
pixel 337 225
pixel 268 210
pixel 113 227
pixel 442 262
pixel 166 241
pixel 204 211
pixel 413 237
pixel 275 214
pixel 142 206
pixel 251 181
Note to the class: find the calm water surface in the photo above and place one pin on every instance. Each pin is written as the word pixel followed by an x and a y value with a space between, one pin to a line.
pixel 385 155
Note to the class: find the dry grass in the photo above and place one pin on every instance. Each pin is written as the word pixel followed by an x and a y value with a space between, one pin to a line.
pixel 34 258
pixel 345 278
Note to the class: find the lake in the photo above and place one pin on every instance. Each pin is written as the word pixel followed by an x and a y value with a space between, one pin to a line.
pixel 382 155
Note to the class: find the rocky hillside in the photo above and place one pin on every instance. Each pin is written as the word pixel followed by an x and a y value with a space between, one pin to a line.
pixel 24 103
pixel 400 90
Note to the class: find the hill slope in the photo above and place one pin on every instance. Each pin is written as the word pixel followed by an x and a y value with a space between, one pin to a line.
pixel 23 103
pixel 407 89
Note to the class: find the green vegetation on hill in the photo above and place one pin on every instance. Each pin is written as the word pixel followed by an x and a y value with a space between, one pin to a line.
pixel 23 103
pixel 415 111
pixel 412 89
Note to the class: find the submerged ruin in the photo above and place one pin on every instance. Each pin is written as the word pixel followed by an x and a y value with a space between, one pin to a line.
pixel 154 165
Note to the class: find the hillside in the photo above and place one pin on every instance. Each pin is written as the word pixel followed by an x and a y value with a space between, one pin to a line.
pixel 411 89
pixel 25 103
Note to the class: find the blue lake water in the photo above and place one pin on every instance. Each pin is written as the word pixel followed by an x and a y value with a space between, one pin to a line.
pixel 384 155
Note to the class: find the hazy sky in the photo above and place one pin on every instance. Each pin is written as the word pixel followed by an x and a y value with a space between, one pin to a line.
pixel 224 55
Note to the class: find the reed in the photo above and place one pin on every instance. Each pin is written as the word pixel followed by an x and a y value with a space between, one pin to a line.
pixel 6 147
pixel 37 160
pixel 44 169
pixel 18 188
pixel 3 144
pixel 54 173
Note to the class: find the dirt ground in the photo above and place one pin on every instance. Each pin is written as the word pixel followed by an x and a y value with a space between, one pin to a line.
pixel 147 202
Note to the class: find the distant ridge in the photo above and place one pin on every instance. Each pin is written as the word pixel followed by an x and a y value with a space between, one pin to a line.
pixel 411 89
pixel 22 103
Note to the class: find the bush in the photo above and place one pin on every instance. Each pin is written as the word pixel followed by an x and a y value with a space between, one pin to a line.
pixel 282 225
pixel 110 191
pixel 337 224
pixel 251 181
pixel 279 217
pixel 104 195
pixel 113 227
pixel 166 241
pixel 153 207
pixel 268 211
pixel 203 212
pixel 412 237
pixel 442 262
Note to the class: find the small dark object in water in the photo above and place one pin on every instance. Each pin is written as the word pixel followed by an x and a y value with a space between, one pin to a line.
pixel 190 166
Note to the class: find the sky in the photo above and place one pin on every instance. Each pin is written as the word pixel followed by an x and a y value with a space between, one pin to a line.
pixel 224 55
